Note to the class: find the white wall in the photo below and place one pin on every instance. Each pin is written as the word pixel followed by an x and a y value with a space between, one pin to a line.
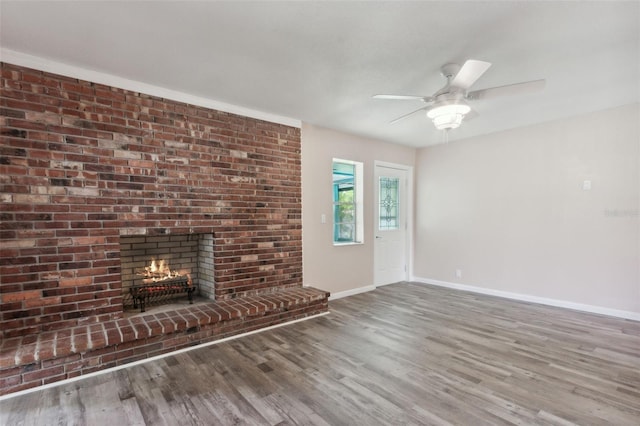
pixel 338 269
pixel 510 212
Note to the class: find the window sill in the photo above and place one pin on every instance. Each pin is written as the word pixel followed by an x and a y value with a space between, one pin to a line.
pixel 348 243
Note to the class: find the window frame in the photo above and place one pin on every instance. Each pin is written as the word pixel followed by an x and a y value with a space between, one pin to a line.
pixel 357 203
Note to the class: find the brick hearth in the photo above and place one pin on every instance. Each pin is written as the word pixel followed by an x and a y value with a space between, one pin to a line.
pixel 84 166
pixel 35 360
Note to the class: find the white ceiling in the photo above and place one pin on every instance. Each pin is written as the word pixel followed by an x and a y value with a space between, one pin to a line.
pixel 320 62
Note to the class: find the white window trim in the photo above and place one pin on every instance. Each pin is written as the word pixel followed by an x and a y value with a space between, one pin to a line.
pixel 359 204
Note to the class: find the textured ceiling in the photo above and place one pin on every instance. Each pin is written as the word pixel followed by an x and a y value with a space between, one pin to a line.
pixel 320 62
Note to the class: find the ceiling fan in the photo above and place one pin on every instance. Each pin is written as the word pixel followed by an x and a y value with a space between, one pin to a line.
pixel 448 106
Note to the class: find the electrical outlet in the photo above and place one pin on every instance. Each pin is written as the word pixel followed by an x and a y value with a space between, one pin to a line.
pixel 458 273
pixel 323 218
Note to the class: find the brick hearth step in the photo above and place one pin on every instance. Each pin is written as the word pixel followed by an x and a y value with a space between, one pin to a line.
pixel 35 360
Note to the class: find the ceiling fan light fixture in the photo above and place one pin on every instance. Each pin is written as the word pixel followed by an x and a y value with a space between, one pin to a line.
pixel 448 116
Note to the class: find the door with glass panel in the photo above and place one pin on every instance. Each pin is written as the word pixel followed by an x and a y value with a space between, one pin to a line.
pixel 390 245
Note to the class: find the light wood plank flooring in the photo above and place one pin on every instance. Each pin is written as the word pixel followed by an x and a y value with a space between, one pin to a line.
pixel 403 354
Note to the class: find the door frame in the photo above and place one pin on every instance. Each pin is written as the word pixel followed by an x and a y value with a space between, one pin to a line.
pixel 409 199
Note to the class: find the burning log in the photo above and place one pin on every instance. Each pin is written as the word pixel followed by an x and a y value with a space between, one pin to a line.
pixel 159 281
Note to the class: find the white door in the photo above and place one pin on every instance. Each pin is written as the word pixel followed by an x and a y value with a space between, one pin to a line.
pixel 391 215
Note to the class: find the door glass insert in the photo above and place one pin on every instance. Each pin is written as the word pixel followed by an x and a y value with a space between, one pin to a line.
pixel 388 209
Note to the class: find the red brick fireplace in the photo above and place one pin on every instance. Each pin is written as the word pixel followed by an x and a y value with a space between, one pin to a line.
pixel 85 169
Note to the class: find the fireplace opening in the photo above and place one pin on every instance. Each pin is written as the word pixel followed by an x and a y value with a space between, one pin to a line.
pixel 158 270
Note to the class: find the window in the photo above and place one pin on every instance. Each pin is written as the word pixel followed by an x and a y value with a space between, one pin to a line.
pixel 347 202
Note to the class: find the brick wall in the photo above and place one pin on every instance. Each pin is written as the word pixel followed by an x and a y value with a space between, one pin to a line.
pixel 82 164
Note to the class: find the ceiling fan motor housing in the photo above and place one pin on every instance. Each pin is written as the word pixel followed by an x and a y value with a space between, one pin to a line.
pixel 449 70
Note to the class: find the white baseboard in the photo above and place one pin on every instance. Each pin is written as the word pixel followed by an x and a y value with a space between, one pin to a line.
pixel 533 299
pixel 351 292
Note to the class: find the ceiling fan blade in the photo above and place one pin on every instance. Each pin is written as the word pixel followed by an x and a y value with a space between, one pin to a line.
pixel 508 90
pixel 470 115
pixel 469 73
pixel 402 117
pixel 404 97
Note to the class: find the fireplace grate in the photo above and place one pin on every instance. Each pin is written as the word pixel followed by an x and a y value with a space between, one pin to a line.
pixel 158 292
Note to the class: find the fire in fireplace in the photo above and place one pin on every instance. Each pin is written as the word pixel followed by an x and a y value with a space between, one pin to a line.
pixel 160 271
pixel 160 283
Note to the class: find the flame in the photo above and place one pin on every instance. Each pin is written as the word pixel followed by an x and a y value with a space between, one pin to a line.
pixel 159 270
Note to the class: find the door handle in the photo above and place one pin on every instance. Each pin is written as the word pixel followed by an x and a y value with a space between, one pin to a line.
pixel 378 237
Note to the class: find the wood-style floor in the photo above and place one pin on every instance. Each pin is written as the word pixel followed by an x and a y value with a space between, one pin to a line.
pixel 403 354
